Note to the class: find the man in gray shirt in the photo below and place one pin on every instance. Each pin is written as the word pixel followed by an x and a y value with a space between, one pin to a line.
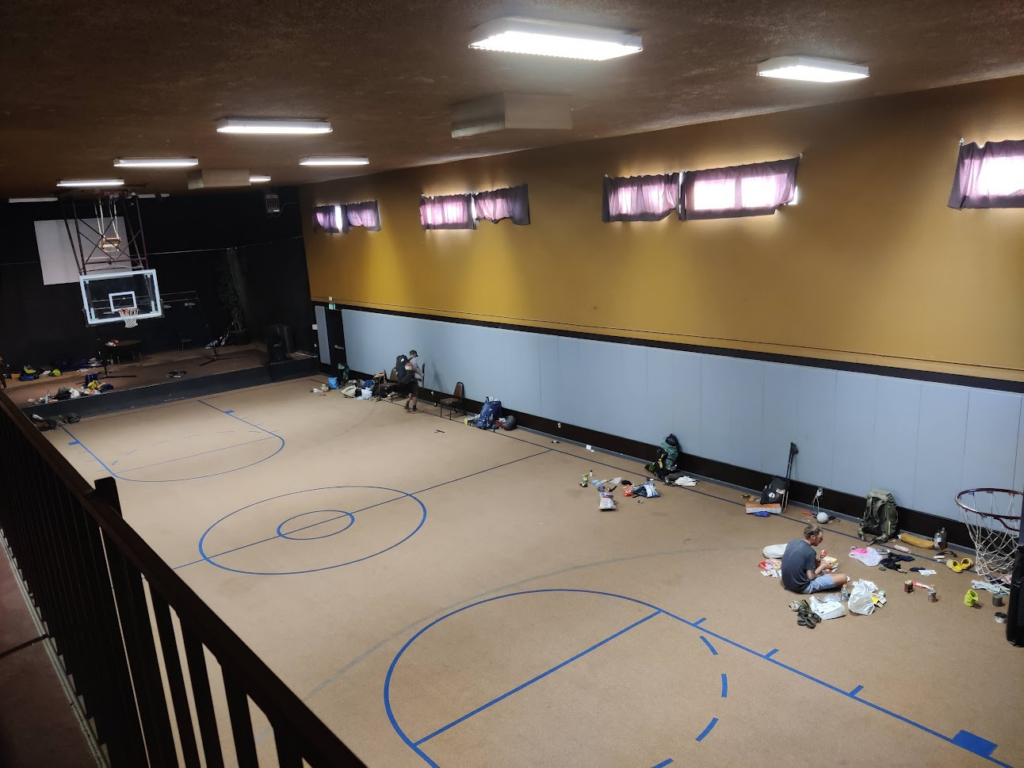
pixel 803 570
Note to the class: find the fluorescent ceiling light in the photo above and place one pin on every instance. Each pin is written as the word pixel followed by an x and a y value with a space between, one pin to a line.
pixel 155 162
pixel 32 200
pixel 90 183
pixel 547 38
pixel 258 179
pixel 811 70
pixel 334 161
pixel 273 127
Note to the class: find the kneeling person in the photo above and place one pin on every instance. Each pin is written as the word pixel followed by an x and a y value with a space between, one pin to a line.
pixel 803 570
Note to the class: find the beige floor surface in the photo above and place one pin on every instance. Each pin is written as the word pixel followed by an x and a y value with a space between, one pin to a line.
pixel 444 596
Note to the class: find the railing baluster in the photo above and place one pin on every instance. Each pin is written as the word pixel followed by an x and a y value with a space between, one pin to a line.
pixel 138 639
pixel 241 724
pixel 172 668
pixel 196 658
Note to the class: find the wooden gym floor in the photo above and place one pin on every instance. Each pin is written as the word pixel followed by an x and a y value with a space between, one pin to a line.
pixel 445 596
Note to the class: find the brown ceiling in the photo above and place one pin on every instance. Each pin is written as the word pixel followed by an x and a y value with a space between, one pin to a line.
pixel 84 83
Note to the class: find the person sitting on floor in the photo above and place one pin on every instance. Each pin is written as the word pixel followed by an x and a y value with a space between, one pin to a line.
pixel 408 384
pixel 803 569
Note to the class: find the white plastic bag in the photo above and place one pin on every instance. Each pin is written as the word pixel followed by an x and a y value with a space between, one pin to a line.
pixel 607 503
pixel 869 556
pixel 774 551
pixel 860 598
pixel 828 606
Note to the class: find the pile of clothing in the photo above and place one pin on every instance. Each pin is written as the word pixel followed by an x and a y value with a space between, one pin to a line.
pixel 872 557
pixel 70 393
pixel 647 490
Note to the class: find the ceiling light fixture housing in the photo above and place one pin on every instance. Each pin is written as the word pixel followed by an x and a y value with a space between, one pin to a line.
pixel 334 161
pixel 90 183
pixel 549 38
pixel 156 162
pixel 273 127
pixel 259 179
pixel 811 70
pixel 32 200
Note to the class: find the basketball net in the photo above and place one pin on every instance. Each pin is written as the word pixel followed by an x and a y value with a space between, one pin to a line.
pixel 130 315
pixel 992 517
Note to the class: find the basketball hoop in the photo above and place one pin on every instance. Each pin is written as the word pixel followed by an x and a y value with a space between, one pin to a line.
pixel 130 315
pixel 992 516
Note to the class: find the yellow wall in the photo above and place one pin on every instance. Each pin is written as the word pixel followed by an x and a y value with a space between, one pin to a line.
pixel 870 266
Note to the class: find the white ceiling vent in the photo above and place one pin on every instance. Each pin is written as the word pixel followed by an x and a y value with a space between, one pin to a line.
pixel 504 111
pixel 213 178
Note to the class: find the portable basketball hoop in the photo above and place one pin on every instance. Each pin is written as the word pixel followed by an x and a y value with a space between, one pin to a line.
pixel 130 315
pixel 992 516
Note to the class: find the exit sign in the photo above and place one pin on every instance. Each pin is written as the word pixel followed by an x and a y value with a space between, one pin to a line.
pixel 330 306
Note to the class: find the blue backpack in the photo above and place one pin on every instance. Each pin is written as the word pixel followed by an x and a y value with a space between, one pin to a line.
pixel 488 414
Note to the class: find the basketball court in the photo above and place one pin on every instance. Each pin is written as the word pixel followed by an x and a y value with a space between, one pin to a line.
pixel 461 601
pixel 780 241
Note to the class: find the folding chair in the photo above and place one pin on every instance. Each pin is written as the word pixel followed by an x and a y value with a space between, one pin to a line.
pixel 451 401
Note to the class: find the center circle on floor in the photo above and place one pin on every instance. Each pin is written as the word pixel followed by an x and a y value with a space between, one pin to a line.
pixel 296 532
pixel 318 519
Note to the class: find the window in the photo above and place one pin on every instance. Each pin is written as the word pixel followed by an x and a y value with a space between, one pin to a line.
pixel 329 218
pixel 510 203
pixel 990 176
pixel 742 190
pixel 447 212
pixel 363 215
pixel 640 198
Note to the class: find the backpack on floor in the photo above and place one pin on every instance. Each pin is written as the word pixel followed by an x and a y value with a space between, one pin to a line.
pixel 881 517
pixel 490 411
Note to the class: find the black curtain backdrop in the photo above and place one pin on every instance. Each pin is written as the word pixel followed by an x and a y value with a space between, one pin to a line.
pixel 187 238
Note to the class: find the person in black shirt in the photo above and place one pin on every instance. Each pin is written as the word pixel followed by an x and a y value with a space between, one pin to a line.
pixel 408 384
pixel 803 570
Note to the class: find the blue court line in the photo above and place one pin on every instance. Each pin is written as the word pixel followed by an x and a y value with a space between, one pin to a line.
pixel 725 685
pixel 771 653
pixel 857 690
pixel 401 494
pixel 708 644
pixel 700 621
pixel 182 479
pixel 541 676
pixel 663 763
pixel 363 509
pixel 735 644
pixel 706 731
pixel 974 743
pixel 194 455
pixel 73 442
pixel 227 412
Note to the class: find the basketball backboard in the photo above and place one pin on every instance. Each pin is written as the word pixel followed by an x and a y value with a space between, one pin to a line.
pixel 105 294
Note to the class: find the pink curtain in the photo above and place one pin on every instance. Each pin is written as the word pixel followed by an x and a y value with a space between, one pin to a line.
pixel 325 217
pixel 510 203
pixel 363 215
pixel 742 190
pixel 640 198
pixel 447 212
pixel 991 176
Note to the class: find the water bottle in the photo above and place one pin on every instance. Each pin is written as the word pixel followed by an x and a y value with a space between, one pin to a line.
pixel 586 480
pixel 939 541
